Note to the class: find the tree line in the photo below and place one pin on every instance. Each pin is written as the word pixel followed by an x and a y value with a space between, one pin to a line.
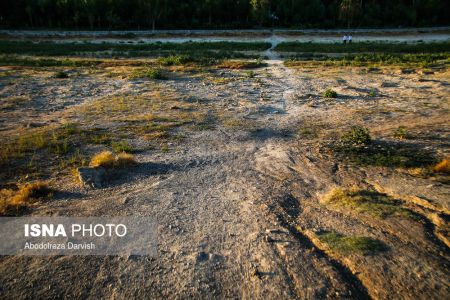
pixel 170 14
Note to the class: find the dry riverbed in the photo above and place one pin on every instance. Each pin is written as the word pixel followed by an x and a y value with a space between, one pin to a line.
pixel 244 171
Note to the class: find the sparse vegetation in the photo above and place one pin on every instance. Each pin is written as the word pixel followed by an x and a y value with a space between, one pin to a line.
pixel 13 202
pixel 345 244
pixel 240 64
pixel 365 201
pixel 122 146
pixel 329 93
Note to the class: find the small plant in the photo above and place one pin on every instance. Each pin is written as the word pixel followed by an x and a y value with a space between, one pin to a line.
pixel 401 133
pixel 351 244
pixel 373 93
pixel 443 167
pixel 13 202
pixel 61 75
pixel 357 136
pixel 122 146
pixel 329 93
pixel 154 74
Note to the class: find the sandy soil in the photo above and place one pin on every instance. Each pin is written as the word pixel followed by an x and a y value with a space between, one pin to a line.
pixel 238 207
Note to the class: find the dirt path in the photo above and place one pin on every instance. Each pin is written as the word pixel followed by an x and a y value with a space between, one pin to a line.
pixel 408 35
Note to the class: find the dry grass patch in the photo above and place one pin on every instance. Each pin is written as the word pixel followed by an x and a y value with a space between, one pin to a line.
pixel 107 159
pixel 104 159
pixel 443 166
pixel 13 202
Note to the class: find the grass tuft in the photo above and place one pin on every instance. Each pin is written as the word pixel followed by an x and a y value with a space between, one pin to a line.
pixel 103 159
pixel 13 202
pixel 351 244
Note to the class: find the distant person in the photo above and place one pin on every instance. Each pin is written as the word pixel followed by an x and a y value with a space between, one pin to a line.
pixel 349 38
pixel 344 39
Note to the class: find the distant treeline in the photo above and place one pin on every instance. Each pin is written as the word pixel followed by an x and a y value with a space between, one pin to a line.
pixel 169 14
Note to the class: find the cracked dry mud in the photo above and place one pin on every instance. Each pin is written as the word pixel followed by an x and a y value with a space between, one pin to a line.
pixel 238 209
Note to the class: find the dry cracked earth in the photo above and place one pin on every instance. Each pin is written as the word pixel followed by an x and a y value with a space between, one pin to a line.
pixel 239 202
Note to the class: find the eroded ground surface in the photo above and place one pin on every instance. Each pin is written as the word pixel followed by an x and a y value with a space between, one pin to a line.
pixel 234 166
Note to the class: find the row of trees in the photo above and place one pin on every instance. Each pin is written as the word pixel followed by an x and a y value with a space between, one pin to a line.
pixel 144 14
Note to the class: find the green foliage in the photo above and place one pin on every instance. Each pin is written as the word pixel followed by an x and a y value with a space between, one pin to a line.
pixel 151 73
pixel 352 244
pixel 329 93
pixel 357 136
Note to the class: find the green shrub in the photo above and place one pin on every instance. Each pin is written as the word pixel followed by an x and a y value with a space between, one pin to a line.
pixel 357 136
pixel 329 93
